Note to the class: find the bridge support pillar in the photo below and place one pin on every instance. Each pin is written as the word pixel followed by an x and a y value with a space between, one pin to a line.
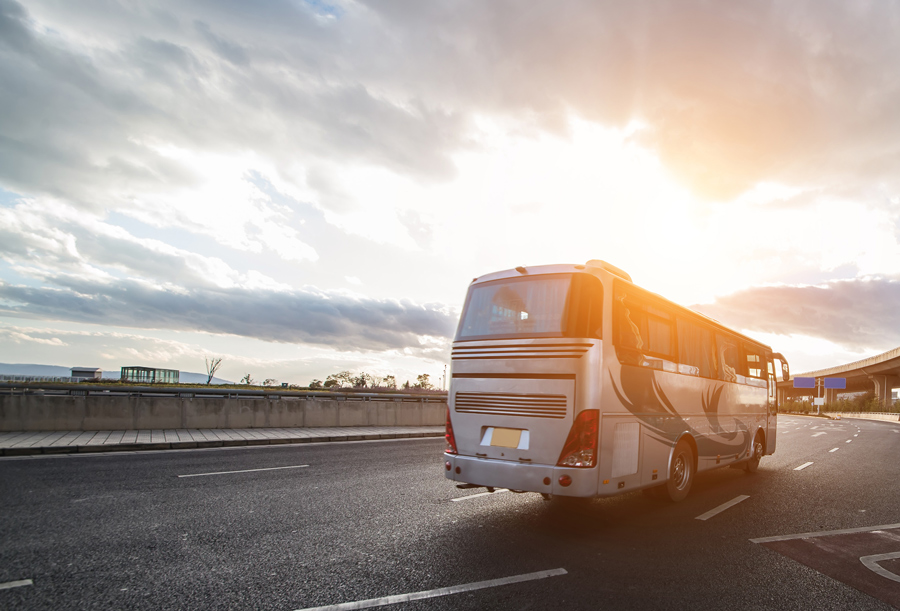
pixel 830 395
pixel 883 386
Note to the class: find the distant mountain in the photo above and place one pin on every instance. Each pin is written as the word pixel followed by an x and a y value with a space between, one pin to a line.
pixel 20 369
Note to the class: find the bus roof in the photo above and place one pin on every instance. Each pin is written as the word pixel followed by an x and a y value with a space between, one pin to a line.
pixel 603 272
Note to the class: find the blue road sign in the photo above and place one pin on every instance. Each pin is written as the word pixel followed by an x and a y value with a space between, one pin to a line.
pixel 840 383
pixel 804 382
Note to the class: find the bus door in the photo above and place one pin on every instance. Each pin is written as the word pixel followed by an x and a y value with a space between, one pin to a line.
pixel 778 370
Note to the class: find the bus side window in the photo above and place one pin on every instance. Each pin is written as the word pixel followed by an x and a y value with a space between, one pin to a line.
pixel 589 309
pixel 728 357
pixel 754 361
pixel 627 334
pixel 658 329
pixel 696 348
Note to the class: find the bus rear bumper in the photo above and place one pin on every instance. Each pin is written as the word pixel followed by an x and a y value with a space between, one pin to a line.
pixel 521 476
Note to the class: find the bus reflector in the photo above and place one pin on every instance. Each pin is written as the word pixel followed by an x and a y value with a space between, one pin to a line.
pixel 581 445
pixel 448 435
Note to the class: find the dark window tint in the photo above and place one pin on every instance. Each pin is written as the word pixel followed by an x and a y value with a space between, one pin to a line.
pixel 587 315
pixel 696 348
pixel 641 326
pixel 729 358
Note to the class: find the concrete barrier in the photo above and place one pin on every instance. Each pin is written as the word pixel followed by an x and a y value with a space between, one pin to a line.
pixel 33 412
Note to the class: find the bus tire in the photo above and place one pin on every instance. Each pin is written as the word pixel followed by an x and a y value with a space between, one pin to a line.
pixel 681 472
pixel 752 465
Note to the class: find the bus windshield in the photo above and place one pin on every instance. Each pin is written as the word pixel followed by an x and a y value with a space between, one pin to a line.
pixel 525 307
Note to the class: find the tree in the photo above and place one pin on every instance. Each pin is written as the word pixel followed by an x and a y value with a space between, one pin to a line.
pixel 389 382
pixel 212 365
pixel 363 380
pixel 423 382
pixel 270 382
pixel 340 379
pixel 247 380
pixel 315 384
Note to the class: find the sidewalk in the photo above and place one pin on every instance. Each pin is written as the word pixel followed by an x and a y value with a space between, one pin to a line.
pixel 71 442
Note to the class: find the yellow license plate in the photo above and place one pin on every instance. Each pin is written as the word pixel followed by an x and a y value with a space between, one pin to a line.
pixel 506 438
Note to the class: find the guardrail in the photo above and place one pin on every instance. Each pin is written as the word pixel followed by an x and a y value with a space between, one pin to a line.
pixel 187 392
pixel 888 416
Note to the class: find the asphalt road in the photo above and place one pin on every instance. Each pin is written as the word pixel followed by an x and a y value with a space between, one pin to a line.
pixel 344 522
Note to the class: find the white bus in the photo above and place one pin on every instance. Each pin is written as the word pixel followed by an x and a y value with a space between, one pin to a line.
pixel 570 380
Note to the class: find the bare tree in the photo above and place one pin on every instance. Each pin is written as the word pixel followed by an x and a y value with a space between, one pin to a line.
pixel 248 380
pixel 212 365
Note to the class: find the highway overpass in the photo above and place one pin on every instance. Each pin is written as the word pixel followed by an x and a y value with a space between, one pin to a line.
pixel 880 373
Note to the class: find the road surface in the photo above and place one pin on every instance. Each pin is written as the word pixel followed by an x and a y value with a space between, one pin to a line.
pixel 343 525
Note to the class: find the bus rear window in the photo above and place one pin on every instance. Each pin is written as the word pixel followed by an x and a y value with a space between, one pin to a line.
pixel 517 307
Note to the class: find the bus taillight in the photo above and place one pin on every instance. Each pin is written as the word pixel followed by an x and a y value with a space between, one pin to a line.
pixel 448 435
pixel 581 445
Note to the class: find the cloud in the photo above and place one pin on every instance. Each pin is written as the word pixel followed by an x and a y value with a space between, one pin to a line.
pixel 730 93
pixel 47 237
pixel 16 337
pixel 340 321
pixel 856 314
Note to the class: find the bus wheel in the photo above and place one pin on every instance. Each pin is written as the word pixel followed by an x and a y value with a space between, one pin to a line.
pixel 752 465
pixel 681 473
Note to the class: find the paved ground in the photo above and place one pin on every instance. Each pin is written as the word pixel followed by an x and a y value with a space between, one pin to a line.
pixel 288 527
pixel 68 442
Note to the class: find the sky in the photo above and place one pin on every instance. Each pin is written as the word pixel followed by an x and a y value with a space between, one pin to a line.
pixel 301 187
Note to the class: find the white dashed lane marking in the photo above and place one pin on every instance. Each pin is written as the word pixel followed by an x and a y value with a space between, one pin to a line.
pixel 244 471
pixel 803 466
pixel 475 496
pixel 821 433
pixel 16 584
pixel 834 449
pixel 722 507
pixel 466 587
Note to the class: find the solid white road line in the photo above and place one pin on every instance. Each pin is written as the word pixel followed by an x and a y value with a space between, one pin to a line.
pixel 473 496
pixel 825 533
pixel 803 466
pixel 871 563
pixel 244 471
pixel 722 507
pixel 822 433
pixel 466 587
pixel 833 450
pixel 16 584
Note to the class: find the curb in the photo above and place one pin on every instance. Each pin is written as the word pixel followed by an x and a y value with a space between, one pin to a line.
pixel 186 445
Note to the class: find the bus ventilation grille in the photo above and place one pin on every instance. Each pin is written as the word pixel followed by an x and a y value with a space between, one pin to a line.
pixel 508 404
pixel 521 351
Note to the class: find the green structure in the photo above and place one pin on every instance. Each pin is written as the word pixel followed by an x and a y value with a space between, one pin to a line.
pixel 149 375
